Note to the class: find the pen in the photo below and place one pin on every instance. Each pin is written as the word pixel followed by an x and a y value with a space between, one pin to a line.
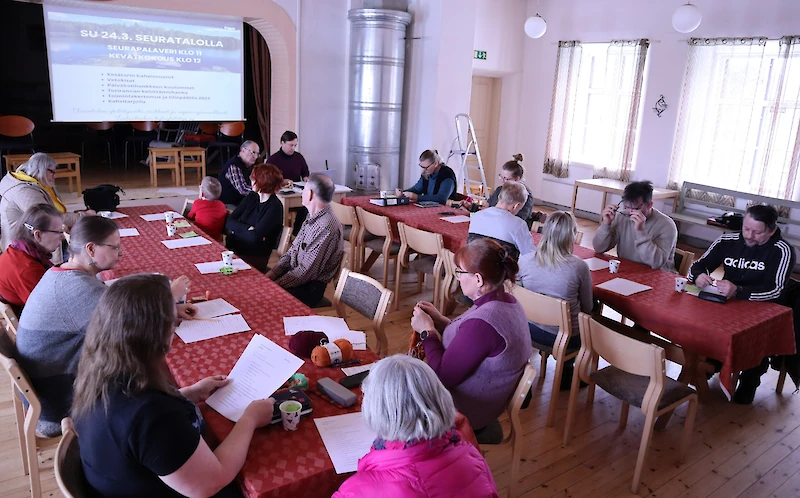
pixel 713 282
pixel 347 363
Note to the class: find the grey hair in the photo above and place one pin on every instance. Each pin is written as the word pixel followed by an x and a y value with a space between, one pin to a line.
pixel 322 186
pixel 558 239
pixel 37 167
pixel 404 400
pixel 248 143
pixel 513 192
pixel 88 229
pixel 211 188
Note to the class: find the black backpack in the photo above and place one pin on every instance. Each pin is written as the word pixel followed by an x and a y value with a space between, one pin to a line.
pixel 102 197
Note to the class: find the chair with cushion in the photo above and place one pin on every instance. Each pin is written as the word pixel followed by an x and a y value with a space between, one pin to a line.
pixel 349 219
pixel 428 246
pixel 376 235
pixel 536 227
pixel 142 134
pixel 68 468
pixel 16 134
pixel 368 297
pixel 636 376
pixel 27 418
pixel 516 434
pixel 10 318
pixel 683 261
pixel 546 310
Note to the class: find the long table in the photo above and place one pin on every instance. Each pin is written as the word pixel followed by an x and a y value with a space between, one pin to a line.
pixel 279 463
pixel 738 333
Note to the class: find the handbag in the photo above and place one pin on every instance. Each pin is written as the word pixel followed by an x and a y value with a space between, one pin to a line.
pixel 415 348
pixel 102 197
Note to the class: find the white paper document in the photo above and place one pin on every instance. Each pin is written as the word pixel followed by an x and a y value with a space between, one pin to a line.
pixel 208 328
pixel 260 371
pixel 328 324
pixel 215 308
pixel 159 216
pixel 116 215
pixel 214 266
pixel 128 232
pixel 596 264
pixel 190 242
pixel 111 281
pixel 456 219
pixel 357 338
pixel 354 370
pixel 347 438
pixel 624 286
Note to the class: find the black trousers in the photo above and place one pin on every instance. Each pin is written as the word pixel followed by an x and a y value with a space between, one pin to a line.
pixel 300 215
pixel 310 293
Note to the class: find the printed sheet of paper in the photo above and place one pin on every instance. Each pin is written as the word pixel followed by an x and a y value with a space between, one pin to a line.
pixel 208 328
pixel 347 438
pixel 357 338
pixel 695 290
pixel 190 242
pixel 354 370
pixel 182 224
pixel 159 216
pixel 128 232
pixel 328 324
pixel 624 286
pixel 116 215
pixel 596 264
pixel 260 371
pixel 214 266
pixel 456 219
pixel 215 308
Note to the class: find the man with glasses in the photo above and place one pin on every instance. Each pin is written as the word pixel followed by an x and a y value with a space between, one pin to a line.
pixel 437 182
pixel 640 232
pixel 235 175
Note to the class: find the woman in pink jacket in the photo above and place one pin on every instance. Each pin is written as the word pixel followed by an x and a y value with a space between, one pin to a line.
pixel 418 452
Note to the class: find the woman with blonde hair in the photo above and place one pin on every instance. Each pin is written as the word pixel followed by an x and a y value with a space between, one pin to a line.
pixel 554 271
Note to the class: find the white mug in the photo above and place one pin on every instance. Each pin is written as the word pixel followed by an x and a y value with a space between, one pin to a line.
pixel 680 284
pixel 291 418
pixel 613 266
pixel 227 258
pixel 169 216
pixel 171 229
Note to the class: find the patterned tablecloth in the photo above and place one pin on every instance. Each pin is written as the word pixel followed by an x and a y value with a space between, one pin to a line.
pixel 737 333
pixel 279 463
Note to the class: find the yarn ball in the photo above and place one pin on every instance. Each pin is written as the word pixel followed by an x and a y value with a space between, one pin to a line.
pixel 304 342
pixel 321 358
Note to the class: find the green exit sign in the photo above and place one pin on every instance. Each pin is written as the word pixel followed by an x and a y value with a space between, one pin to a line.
pixel 480 55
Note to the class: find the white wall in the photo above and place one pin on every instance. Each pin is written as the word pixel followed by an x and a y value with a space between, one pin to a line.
pixel 602 21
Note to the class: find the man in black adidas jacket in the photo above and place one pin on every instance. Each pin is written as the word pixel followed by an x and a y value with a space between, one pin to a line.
pixel 758 264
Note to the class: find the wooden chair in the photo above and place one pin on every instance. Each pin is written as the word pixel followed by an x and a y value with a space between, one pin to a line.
pixel 636 376
pixel 187 206
pixel 16 133
pixel 429 247
pixel 29 442
pixel 209 128
pixel 230 136
pixel 536 227
pixel 193 158
pixel 546 310
pixel 381 243
pixel 446 290
pixel 368 297
pixel 68 468
pixel 349 219
pixel 172 164
pixel 147 133
pixel 683 261
pixel 10 319
pixel 515 436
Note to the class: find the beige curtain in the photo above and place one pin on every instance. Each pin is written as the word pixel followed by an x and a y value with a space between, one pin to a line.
pixel 262 70
pixel 562 109
pixel 739 118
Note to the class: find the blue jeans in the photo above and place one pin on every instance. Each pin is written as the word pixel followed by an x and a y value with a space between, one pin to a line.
pixel 545 338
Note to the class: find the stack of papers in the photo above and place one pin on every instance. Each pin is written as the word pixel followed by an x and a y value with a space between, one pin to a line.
pixel 214 319
pixel 260 371
pixel 214 266
pixel 624 286
pixel 695 290
pixel 159 216
pixel 334 328
pixel 128 232
pixel 596 264
pixel 190 242
pixel 347 438
pixel 456 219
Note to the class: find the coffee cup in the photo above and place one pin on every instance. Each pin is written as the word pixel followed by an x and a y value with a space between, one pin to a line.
pixel 384 194
pixel 290 414
pixel 171 229
pixel 227 258
pixel 169 216
pixel 105 214
pixel 680 284
pixel 613 266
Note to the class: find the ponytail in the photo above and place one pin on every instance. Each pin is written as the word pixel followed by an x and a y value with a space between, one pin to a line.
pixel 515 167
pixel 490 259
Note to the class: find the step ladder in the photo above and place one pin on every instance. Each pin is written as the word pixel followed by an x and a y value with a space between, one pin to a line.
pixel 466 146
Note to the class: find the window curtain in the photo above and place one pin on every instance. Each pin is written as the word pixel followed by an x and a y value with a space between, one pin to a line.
pixel 562 109
pixel 262 70
pixel 739 119
pixel 625 66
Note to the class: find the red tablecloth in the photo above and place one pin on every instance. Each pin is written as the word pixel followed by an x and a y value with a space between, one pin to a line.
pixel 454 234
pixel 279 463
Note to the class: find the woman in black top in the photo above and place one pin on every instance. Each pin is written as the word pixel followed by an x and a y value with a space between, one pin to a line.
pixel 255 226
pixel 139 435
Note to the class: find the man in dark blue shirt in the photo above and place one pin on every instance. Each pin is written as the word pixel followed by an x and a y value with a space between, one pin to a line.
pixel 437 182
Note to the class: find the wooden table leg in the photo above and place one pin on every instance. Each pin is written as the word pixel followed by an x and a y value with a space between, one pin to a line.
pixel 574 198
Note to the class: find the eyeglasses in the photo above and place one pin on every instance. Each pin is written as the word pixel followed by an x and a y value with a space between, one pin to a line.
pixel 504 178
pixel 620 208
pixel 112 246
pixel 426 167
pixel 31 228
pixel 462 272
pixel 254 152
pixel 51 171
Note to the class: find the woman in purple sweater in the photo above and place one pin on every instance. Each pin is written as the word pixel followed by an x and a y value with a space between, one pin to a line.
pixel 481 354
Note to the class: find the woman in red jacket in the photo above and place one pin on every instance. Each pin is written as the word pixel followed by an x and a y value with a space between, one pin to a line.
pixel 36 236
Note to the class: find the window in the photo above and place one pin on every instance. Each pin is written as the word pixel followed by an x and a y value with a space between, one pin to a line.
pixel 739 118
pixel 595 110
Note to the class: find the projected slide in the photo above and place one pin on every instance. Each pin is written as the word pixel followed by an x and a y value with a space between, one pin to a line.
pixel 119 66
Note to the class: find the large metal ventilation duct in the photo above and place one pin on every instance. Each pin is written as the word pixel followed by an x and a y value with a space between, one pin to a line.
pixel 377 62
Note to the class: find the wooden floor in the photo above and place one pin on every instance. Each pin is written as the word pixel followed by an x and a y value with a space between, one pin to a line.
pixel 747 451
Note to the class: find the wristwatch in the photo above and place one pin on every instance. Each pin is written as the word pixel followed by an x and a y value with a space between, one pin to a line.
pixel 424 335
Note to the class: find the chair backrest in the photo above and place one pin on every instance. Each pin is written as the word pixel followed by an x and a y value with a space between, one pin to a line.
pixel 345 214
pixel 102 126
pixel 544 310
pixel 421 241
pixel 144 125
pixel 15 126
pixel 232 129
pixel 68 468
pixel 374 223
pixel 187 206
pixel 362 293
pixel 515 403
pixel 209 128
pixel 20 384
pixel 683 261
pixel 10 318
